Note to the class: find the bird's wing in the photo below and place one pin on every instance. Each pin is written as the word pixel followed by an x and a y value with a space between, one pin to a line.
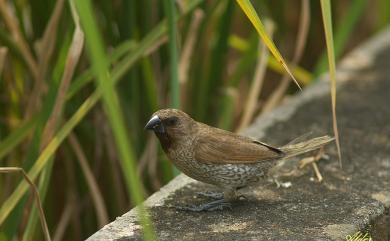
pixel 221 147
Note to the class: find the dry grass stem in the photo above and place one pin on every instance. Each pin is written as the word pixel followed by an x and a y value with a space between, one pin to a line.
pixel 149 161
pixel 120 192
pixel 64 221
pixel 327 23
pixel 317 171
pixel 70 66
pixel 156 46
pixel 188 47
pixel 153 164
pixel 45 229
pixel 97 197
pixel 280 91
pixel 45 51
pixel 258 81
pixel 3 54
pixel 312 160
pixel 46 45
pixel 13 26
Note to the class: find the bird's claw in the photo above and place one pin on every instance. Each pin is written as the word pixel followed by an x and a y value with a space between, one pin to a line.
pixel 242 197
pixel 211 206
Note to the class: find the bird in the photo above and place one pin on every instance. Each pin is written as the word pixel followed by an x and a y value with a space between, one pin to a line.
pixel 222 158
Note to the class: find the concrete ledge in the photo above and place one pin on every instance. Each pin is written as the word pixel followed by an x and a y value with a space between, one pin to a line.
pixel 356 198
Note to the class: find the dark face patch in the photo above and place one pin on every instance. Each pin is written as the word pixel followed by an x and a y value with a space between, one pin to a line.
pixel 171 121
pixel 168 124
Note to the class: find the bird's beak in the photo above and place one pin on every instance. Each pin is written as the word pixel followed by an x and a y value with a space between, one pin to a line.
pixel 155 124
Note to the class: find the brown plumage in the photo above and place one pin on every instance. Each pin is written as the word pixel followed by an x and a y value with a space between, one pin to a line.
pixel 219 157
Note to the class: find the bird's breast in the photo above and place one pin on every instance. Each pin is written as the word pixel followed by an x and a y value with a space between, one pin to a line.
pixel 223 175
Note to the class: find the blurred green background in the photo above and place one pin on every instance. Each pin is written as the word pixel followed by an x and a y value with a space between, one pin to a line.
pixel 204 57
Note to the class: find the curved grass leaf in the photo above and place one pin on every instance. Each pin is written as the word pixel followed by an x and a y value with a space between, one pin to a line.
pixel 36 194
pixel 246 48
pixel 327 19
pixel 303 76
pixel 250 12
pixel 342 33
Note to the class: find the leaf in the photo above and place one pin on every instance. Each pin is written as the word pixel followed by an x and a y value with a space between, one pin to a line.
pixel 17 136
pixel 113 110
pixel 327 19
pixel 250 12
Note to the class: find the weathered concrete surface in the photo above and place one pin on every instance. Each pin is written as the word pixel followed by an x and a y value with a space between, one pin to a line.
pixel 348 200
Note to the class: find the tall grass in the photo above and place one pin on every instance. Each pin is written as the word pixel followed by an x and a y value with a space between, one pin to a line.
pixel 72 113
pixel 114 112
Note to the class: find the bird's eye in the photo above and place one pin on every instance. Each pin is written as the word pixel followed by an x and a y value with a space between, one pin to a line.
pixel 171 121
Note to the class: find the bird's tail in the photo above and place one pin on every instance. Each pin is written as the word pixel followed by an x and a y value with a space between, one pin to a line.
pixel 291 150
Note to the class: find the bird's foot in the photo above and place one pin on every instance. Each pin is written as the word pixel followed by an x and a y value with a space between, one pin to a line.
pixel 209 194
pixel 211 206
pixel 280 184
pixel 241 197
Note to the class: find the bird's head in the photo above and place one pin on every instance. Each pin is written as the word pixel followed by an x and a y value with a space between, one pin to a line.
pixel 170 125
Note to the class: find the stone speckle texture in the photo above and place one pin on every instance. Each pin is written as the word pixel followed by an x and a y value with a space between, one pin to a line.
pixel 356 198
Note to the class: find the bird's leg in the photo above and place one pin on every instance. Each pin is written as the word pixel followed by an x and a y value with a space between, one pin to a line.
pixel 222 203
pixel 210 194
pixel 211 206
pixel 240 196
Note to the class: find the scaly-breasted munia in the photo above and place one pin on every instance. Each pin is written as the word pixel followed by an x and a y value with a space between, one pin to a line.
pixel 222 158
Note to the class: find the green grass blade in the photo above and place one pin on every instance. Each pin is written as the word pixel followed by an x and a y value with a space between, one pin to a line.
pixel 246 62
pixel 303 76
pixel 150 83
pixel 131 52
pixel 327 18
pixel 100 69
pixel 44 182
pixel 67 61
pixel 134 54
pixel 42 160
pixel 117 73
pixel 250 12
pixel 17 136
pixel 383 11
pixel 7 41
pixel 113 110
pixel 37 197
pixel 248 48
pixel 228 104
pixel 209 85
pixel 342 33
pixel 170 11
pixel 86 77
